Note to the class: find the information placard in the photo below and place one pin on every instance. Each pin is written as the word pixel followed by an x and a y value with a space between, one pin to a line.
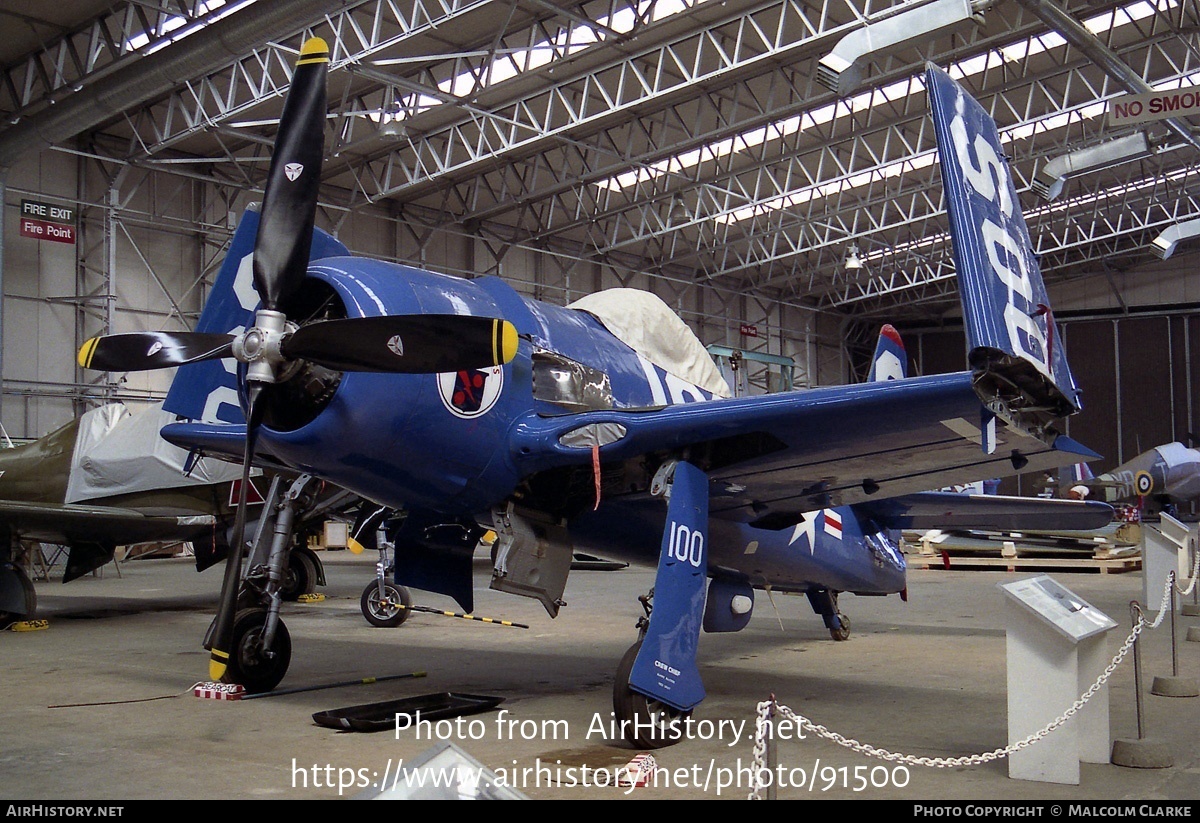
pixel 1058 606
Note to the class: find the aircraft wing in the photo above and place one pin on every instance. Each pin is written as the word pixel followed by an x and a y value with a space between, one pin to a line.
pixel 771 458
pixel 93 532
pixel 69 522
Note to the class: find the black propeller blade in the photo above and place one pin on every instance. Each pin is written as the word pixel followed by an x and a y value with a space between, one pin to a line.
pixel 413 344
pixel 222 635
pixel 281 252
pixel 405 344
pixel 139 351
pixel 290 199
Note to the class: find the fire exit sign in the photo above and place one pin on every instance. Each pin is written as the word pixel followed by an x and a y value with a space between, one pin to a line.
pixel 47 221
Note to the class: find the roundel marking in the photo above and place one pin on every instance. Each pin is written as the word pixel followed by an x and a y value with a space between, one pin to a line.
pixel 470 393
pixel 1143 483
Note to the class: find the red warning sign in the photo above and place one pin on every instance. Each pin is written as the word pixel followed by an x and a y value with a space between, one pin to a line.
pixel 41 230
pixel 47 221
pixel 253 495
pixel 1155 105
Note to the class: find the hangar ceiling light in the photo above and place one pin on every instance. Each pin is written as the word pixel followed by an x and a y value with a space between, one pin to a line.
pixel 842 69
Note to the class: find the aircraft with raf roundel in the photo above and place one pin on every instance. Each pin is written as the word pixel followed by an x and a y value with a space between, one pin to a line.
pixel 604 425
pixel 1162 478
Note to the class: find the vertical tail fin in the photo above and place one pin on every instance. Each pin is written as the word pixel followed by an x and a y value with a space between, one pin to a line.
pixel 891 359
pixel 1014 346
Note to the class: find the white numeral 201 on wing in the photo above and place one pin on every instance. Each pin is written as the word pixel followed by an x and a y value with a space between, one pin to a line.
pixel 686 545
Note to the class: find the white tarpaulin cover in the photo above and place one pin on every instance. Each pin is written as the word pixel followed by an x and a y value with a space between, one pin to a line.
pixel 117 452
pixel 647 325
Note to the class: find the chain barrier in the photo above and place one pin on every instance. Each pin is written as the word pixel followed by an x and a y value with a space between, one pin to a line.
pixel 768 707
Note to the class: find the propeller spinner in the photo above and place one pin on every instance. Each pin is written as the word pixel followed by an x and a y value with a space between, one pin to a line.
pixel 404 343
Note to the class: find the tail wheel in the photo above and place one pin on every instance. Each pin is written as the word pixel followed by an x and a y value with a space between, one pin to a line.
pixel 646 723
pixel 842 630
pixel 250 665
pixel 386 609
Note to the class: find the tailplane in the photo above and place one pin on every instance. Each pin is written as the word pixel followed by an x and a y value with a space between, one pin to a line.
pixel 1014 347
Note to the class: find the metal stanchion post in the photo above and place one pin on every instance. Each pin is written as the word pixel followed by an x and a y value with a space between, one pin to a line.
pixel 1141 753
pixel 1174 686
pixel 772 754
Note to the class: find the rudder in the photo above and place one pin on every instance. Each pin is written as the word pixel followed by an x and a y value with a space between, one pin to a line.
pixel 1012 340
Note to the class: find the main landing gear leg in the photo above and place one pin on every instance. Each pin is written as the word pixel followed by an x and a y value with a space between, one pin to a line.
pixel 657 682
pixel 825 603
pixel 262 647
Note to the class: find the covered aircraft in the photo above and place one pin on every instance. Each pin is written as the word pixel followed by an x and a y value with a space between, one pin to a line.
pixel 466 406
pixel 108 479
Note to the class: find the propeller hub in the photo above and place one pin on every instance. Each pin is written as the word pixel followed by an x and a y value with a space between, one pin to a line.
pixel 258 348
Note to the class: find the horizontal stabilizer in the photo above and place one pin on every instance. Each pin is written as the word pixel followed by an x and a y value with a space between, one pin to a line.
pixel 986 512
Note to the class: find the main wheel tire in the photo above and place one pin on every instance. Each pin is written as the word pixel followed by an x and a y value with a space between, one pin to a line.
pixel 645 722
pixel 842 632
pixel 300 577
pixel 7 618
pixel 389 610
pixel 248 664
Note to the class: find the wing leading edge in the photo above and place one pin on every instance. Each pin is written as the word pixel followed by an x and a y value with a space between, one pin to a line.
pixel 772 458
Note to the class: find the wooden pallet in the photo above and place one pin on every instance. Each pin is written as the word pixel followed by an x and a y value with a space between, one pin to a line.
pixel 1112 565
pixel 1112 550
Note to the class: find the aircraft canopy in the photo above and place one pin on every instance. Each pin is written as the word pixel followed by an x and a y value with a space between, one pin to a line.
pixel 647 325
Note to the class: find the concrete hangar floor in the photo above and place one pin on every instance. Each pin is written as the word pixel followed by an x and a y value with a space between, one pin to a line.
pixel 100 705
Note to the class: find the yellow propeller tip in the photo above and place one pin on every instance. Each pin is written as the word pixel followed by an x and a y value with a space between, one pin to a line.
pixel 508 342
pixel 216 670
pixel 354 546
pixel 314 50
pixel 86 351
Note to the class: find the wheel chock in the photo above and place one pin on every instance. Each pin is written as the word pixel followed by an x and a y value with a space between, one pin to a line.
pixel 211 690
pixel 29 625
pixel 311 598
pixel 637 772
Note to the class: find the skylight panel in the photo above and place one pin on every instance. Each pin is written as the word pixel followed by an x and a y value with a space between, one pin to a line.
pixel 567 42
pixel 960 70
pixel 181 27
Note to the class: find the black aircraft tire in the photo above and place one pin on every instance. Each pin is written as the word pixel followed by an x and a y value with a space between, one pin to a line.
pixel 247 665
pixel 389 614
pixel 635 712
pixel 7 618
pixel 843 631
pixel 300 577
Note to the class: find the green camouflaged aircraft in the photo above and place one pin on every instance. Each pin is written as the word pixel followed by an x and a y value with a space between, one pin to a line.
pixel 105 480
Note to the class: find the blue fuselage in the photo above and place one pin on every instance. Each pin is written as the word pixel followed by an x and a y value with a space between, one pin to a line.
pixel 442 442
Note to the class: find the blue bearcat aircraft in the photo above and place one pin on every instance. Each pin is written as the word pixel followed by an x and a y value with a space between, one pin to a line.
pixel 464 406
